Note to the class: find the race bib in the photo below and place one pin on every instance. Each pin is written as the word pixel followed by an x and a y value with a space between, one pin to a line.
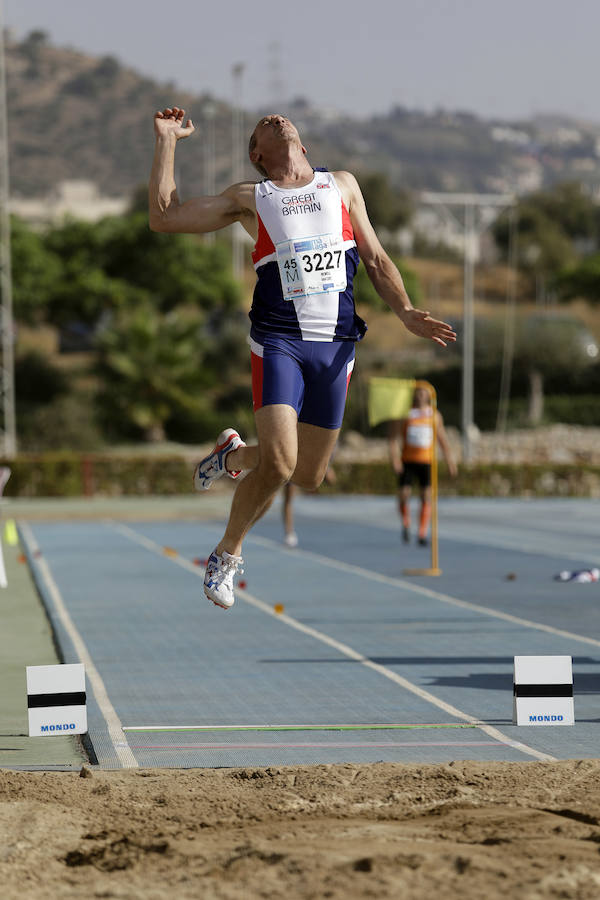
pixel 419 436
pixel 311 266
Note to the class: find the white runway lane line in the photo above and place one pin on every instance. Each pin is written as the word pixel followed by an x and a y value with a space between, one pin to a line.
pixel 518 544
pixel 520 539
pixel 427 592
pixel 113 723
pixel 344 649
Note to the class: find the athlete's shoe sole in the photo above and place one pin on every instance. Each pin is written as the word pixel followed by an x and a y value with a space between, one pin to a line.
pixel 216 602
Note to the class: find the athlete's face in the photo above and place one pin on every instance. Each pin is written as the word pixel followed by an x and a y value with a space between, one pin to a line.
pixel 271 133
pixel 421 398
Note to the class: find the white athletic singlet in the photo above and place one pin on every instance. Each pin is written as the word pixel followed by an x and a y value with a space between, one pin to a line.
pixel 305 259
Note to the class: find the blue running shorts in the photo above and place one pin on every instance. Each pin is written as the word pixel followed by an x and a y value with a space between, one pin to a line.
pixel 310 376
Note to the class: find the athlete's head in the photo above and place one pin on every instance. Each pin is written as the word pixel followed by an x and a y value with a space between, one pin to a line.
pixel 272 133
pixel 421 398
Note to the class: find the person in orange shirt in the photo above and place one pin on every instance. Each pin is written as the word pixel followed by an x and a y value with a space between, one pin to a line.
pixel 411 455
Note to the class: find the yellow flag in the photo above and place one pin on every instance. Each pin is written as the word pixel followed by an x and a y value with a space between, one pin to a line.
pixel 10 533
pixel 389 398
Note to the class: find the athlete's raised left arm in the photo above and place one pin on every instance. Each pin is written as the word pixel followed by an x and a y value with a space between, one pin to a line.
pixel 386 278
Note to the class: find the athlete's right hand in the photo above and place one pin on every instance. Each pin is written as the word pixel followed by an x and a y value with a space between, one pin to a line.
pixel 170 122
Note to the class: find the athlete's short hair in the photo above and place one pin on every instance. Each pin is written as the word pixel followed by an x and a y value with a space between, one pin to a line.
pixel 251 148
pixel 419 390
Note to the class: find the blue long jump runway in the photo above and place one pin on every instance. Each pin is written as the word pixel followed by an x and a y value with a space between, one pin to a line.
pixel 365 664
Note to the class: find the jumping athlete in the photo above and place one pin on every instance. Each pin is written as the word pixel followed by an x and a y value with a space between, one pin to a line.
pixel 310 228
pixel 411 455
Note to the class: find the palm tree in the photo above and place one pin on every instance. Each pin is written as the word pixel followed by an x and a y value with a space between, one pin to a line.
pixel 152 365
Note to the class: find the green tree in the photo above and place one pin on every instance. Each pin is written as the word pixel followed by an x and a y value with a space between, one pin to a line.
pixel 388 207
pixel 175 268
pixel 581 280
pixel 35 39
pixel 85 290
pixel 571 208
pixel 545 345
pixel 365 292
pixel 166 309
pixel 37 380
pixel 36 271
pixel 544 247
pixel 151 366
pixel 50 414
pixel 554 228
pixel 118 262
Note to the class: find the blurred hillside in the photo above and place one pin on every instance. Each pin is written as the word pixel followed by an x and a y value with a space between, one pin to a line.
pixel 74 116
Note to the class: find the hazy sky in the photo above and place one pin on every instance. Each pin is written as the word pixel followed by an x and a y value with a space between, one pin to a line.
pixel 504 58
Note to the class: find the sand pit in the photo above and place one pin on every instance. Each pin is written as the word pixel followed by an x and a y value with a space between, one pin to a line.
pixel 468 830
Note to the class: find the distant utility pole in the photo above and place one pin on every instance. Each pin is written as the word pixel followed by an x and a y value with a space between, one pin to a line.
pixel 509 322
pixel 237 163
pixel 8 431
pixel 472 232
pixel 209 146
pixel 276 81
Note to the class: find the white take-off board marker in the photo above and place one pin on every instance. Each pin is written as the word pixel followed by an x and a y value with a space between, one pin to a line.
pixel 543 691
pixel 56 700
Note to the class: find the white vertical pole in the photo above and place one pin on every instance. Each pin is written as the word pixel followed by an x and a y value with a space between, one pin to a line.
pixel 470 202
pixel 210 187
pixel 8 433
pixel 237 163
pixel 509 326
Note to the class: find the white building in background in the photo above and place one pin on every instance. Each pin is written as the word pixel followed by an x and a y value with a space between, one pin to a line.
pixel 79 199
pixel 529 176
pixel 508 135
pixel 439 229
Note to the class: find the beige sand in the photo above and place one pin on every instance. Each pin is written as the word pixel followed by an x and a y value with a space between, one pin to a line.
pixel 468 830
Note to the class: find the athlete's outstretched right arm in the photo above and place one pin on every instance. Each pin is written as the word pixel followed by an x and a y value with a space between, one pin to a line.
pixel 445 445
pixel 384 275
pixel 166 212
pixel 395 432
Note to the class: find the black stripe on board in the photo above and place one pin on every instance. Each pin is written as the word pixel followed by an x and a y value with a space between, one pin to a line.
pixel 41 701
pixel 543 690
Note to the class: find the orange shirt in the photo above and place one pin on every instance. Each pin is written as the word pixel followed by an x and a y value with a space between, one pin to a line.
pixel 417 436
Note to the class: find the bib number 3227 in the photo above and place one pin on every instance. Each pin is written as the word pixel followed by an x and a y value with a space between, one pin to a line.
pixel 311 266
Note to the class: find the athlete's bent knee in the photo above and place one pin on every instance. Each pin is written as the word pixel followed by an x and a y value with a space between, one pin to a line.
pixel 308 481
pixel 275 471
